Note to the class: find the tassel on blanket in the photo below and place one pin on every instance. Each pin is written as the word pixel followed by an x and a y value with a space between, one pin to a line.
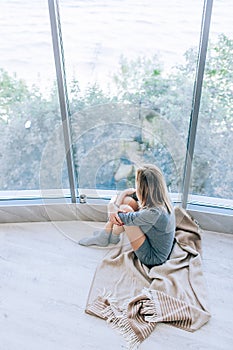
pixel 121 322
pixel 151 307
pixel 100 303
pixel 139 317
pixel 130 321
pixel 167 309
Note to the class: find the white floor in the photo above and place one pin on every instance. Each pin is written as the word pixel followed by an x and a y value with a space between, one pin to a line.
pixel 44 282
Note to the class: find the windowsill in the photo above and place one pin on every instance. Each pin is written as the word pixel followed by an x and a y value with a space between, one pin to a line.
pixel 213 214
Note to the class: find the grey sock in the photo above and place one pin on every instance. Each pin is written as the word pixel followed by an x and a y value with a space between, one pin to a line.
pixel 100 239
pixel 114 239
pixel 96 233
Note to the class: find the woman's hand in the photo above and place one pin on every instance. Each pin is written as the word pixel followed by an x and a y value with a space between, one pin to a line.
pixel 113 217
pixel 113 206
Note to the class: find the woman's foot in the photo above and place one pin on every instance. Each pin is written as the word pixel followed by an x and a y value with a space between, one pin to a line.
pixel 113 238
pixel 101 239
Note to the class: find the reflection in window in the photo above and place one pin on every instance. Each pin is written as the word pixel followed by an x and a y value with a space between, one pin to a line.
pixel 112 140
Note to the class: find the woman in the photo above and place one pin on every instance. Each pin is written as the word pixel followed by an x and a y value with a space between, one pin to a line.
pixel 150 227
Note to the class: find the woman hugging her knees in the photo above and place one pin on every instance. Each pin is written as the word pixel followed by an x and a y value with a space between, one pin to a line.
pixel 145 215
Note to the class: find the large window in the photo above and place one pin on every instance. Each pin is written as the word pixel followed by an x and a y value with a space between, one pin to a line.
pixel 130 68
pixel 213 157
pixel 32 151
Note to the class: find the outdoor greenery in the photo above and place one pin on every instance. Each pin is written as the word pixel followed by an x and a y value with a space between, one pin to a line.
pixel 146 119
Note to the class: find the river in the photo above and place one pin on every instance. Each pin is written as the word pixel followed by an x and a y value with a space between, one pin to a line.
pixel 97 33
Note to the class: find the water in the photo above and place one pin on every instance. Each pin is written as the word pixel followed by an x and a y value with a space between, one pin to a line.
pixel 97 33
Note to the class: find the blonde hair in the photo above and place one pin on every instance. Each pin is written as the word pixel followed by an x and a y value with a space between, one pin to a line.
pixel 151 187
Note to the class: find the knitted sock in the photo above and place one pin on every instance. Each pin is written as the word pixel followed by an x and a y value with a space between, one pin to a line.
pixel 114 239
pixel 101 239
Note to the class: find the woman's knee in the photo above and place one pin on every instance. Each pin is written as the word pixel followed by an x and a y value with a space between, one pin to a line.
pixel 131 202
pixel 126 208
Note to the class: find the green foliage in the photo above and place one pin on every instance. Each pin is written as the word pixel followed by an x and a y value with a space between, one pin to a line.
pixel 12 90
pixel 216 121
pixel 30 121
pixel 219 83
pixel 172 97
pixel 139 80
pixel 92 96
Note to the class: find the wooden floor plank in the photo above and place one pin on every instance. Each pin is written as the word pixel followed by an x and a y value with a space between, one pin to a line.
pixel 45 277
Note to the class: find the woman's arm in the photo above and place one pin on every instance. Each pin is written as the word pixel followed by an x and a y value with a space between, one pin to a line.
pixel 141 218
pixel 114 205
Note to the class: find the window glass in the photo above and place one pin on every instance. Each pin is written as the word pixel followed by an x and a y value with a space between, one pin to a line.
pixel 130 68
pixel 32 151
pixel 213 157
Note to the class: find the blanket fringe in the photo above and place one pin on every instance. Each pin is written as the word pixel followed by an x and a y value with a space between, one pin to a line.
pixel 104 294
pixel 151 308
pixel 175 311
pixel 121 323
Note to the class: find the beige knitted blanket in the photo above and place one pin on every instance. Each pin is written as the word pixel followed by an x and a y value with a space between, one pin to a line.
pixel 133 298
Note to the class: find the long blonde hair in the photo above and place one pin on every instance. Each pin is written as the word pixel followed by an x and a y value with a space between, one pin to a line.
pixel 151 187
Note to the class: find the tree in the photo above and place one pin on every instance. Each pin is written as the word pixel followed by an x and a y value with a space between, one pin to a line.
pixel 30 120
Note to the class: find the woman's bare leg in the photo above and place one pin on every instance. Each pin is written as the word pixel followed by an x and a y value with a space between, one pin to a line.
pixel 135 236
pixel 134 233
pixel 127 202
pixel 110 233
pixel 117 230
pixel 131 202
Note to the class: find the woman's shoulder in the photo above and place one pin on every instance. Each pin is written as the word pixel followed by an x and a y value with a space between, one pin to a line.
pixel 151 211
pixel 160 210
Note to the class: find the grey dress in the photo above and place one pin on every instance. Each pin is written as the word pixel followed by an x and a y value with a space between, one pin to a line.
pixel 159 227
